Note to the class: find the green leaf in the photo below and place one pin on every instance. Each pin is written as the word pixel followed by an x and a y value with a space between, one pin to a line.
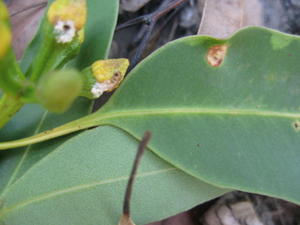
pixel 234 124
pixel 32 119
pixel 83 182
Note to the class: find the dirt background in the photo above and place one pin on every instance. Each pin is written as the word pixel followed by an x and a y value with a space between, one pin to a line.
pixel 219 18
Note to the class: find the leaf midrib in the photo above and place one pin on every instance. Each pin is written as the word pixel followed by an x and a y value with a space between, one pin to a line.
pixel 106 117
pixel 65 191
pixel 235 112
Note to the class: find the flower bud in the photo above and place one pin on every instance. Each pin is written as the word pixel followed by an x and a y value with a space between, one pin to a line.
pixel 105 69
pixel 109 74
pixel 57 90
pixel 68 17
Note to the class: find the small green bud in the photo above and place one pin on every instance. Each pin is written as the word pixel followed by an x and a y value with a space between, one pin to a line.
pixel 57 90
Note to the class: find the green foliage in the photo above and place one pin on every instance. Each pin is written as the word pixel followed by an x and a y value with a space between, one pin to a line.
pixel 223 114
pixel 235 125
pixel 54 46
pixel 83 182
pixel 233 119
pixel 32 119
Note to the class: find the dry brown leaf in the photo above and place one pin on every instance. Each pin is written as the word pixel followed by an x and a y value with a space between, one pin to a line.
pixel 25 21
pixel 221 18
pixel 133 5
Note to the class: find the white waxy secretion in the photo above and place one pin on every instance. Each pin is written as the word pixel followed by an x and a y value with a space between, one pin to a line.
pixel 65 31
pixel 99 88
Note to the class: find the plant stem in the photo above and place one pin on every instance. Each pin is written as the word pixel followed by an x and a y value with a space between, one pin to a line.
pixel 9 106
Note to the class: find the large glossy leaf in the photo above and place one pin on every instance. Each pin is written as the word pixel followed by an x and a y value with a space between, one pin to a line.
pixel 83 182
pixel 234 124
pixel 32 119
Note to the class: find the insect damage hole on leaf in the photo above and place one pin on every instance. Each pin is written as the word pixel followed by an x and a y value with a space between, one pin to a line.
pixel 216 54
pixel 296 125
pixel 126 219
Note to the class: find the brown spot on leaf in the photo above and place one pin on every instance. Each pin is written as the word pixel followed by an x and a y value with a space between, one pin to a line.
pixel 296 125
pixel 216 54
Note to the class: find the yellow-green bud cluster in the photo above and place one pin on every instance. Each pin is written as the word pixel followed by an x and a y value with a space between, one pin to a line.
pixel 109 74
pixel 68 18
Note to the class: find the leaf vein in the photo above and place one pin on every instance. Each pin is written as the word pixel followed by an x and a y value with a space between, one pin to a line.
pixel 25 154
pixel 61 192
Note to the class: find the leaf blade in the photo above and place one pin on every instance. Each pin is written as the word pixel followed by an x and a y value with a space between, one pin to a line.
pixel 33 119
pixel 95 188
pixel 243 113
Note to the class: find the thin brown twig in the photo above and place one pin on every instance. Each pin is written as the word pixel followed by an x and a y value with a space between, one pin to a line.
pixel 139 154
pixel 168 8
pixel 150 20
